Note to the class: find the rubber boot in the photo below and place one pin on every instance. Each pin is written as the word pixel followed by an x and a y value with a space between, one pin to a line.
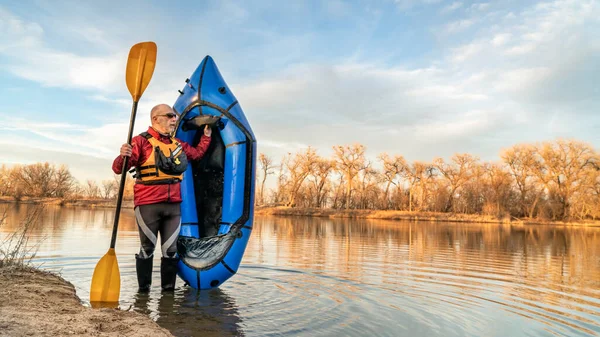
pixel 143 267
pixel 168 272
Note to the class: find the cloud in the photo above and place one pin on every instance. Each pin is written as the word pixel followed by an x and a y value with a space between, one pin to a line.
pixel 452 7
pixel 29 58
pixel 482 6
pixel 71 138
pixel 117 101
pixel 501 39
pixel 522 75
pixel 464 52
pixel 452 92
pixel 491 87
pixel 458 26
pixel 83 166
pixel 408 4
pixel 337 8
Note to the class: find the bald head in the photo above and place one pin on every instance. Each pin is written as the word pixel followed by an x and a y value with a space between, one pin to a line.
pixel 160 109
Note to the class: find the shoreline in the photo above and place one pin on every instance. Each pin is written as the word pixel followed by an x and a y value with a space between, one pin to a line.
pixel 92 203
pixel 332 213
pixel 34 302
pixel 413 216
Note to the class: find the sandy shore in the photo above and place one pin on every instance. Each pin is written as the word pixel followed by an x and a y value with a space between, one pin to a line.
pixel 38 303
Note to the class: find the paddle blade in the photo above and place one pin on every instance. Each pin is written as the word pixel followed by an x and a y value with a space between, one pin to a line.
pixel 140 67
pixel 106 281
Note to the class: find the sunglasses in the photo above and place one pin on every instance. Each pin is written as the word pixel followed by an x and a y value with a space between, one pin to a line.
pixel 169 115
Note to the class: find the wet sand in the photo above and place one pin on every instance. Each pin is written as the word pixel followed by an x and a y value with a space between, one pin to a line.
pixel 38 303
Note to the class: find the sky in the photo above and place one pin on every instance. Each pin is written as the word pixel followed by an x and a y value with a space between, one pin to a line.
pixel 417 78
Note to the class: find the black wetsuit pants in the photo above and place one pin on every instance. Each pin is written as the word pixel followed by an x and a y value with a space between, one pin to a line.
pixel 163 218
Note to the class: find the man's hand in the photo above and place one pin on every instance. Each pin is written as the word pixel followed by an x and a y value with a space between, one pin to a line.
pixel 207 131
pixel 126 150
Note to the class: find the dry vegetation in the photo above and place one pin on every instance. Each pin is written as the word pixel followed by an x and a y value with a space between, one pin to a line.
pixel 557 181
pixel 15 250
pixel 547 181
pixel 44 180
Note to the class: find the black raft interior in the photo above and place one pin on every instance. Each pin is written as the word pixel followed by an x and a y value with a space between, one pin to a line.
pixel 208 176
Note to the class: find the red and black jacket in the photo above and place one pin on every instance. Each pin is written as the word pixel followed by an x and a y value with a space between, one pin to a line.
pixel 141 150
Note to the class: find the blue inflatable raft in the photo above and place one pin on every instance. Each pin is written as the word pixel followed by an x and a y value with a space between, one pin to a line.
pixel 218 191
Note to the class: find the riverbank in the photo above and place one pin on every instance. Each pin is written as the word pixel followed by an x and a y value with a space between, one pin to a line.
pixel 331 213
pixel 92 203
pixel 412 216
pixel 39 303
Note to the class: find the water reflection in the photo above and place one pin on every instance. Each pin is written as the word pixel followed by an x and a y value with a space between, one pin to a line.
pixel 543 274
pixel 187 312
pixel 353 277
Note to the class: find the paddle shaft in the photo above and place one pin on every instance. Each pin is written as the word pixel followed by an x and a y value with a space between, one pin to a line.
pixel 123 177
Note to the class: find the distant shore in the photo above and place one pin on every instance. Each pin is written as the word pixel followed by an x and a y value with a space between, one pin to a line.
pixel 92 203
pixel 413 216
pixel 331 213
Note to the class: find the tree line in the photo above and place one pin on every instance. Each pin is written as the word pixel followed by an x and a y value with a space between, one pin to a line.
pixel 558 180
pixel 45 180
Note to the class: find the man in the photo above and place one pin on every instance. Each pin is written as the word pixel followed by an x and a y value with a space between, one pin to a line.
pixel 159 161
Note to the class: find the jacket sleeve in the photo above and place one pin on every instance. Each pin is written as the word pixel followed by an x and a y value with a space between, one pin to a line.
pixel 136 148
pixel 196 153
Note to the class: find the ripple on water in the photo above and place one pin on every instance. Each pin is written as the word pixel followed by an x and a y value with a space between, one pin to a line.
pixel 358 278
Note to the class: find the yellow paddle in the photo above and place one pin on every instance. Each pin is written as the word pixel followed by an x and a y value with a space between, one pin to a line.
pixel 106 281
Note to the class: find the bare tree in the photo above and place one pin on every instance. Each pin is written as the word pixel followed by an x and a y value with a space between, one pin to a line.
pixel 299 167
pixel 497 189
pixel 109 188
pixel 456 174
pixel 368 180
pixel 91 189
pixel 266 166
pixel 392 169
pixel 62 182
pixel 5 181
pixel 562 166
pixel 417 176
pixel 521 161
pixel 37 179
pixel 322 170
pixel 350 159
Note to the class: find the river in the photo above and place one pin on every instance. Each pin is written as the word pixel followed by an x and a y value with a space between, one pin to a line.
pixel 348 277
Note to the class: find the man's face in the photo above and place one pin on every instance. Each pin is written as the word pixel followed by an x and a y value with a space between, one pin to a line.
pixel 165 121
